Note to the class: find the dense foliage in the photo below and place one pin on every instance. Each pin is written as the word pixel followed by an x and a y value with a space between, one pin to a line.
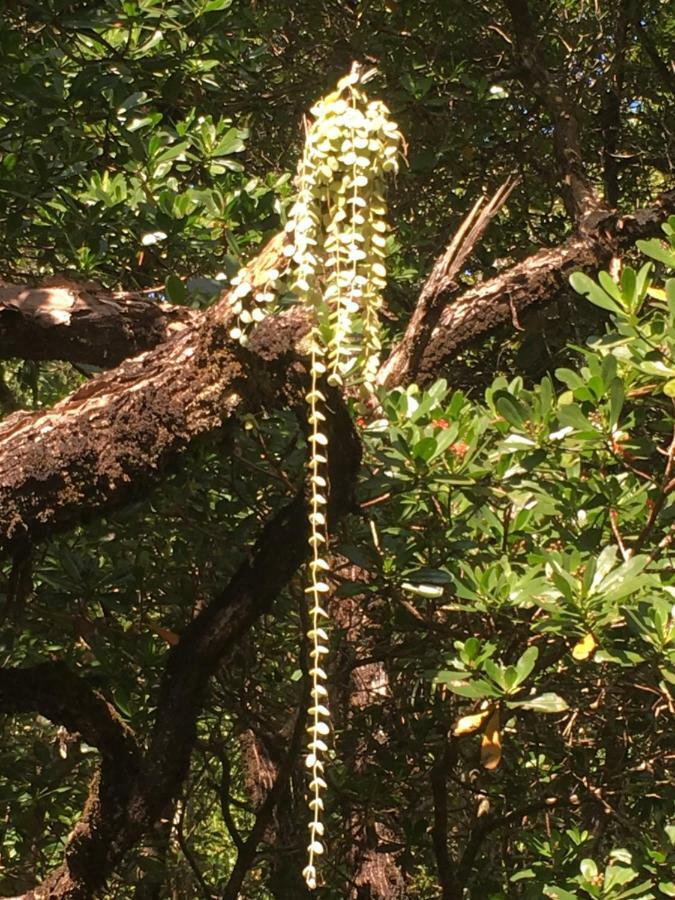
pixel 502 593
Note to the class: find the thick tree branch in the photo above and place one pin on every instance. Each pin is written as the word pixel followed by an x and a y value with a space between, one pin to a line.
pixel 113 436
pixel 64 698
pixel 110 439
pixel 82 324
pixel 117 819
pixel 581 200
pixel 536 279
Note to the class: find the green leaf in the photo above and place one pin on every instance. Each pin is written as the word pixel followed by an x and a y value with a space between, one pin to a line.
pixel 171 152
pixel 522 875
pixel 670 296
pixel 588 869
pixel 657 367
pixel 642 281
pixel 616 399
pixel 629 286
pixel 231 142
pixel 216 6
pixel 544 703
pixel 512 410
pixel 444 439
pixel 121 698
pixel 582 284
pixel 425 448
pixel 556 893
pixel 572 379
pixel 610 286
pixel 430 576
pixel 615 876
pixel 423 590
pixel 132 100
pixel 497 672
pixel 176 291
pixel 448 676
pixel 475 690
pixel 657 251
pixel 526 663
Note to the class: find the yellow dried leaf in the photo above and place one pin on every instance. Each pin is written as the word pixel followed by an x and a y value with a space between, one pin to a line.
pixel 472 723
pixel 585 648
pixel 491 743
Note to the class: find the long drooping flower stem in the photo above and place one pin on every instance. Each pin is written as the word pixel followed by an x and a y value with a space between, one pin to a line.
pixel 338 251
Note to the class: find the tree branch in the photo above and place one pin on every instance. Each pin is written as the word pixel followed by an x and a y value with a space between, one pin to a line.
pixel 445 760
pixel 81 324
pixel 441 283
pixel 665 73
pixel 116 821
pixel 114 435
pixel 247 852
pixel 610 113
pixel 111 439
pixel 581 200
pixel 59 694
pixel 536 279
pixel 485 826
pixel 64 698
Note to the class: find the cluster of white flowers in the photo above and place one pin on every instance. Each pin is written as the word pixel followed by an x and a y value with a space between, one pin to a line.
pixel 339 227
pixel 249 305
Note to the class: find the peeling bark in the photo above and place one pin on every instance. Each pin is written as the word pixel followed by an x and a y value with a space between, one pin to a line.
pixel 112 438
pixel 440 284
pixel 83 324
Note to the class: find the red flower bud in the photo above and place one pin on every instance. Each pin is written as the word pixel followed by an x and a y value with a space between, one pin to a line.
pixel 459 449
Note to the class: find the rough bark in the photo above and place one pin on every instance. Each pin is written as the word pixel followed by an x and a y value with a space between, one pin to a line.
pixel 112 437
pixel 113 820
pixel 83 324
pixel 536 279
pixel 361 687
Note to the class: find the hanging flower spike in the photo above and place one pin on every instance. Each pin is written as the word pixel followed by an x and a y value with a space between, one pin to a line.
pixel 337 254
pixel 339 238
